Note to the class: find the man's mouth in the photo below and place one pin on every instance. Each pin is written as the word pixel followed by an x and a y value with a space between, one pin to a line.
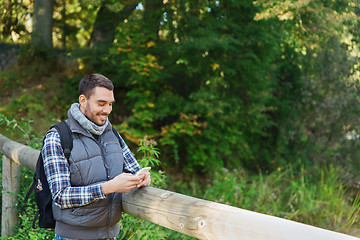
pixel 102 117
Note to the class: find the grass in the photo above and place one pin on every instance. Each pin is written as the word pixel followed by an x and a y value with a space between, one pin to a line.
pixel 38 90
pixel 317 197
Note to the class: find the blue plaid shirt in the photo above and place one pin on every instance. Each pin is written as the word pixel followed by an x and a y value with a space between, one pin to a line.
pixel 58 174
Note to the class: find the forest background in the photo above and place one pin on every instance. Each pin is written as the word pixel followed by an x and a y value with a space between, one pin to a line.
pixel 250 103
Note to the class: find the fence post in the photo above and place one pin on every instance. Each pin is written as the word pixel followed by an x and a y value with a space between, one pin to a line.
pixel 11 185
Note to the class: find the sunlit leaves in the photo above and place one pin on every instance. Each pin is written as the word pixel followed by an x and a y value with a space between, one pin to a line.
pixel 310 23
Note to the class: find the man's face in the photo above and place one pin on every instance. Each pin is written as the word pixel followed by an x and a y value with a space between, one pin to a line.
pixel 98 106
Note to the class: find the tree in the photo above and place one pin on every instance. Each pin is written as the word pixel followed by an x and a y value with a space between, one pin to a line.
pixel 223 83
pixel 228 83
pixel 42 25
pixel 108 17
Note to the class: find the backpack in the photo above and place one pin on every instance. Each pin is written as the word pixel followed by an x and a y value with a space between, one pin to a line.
pixel 42 192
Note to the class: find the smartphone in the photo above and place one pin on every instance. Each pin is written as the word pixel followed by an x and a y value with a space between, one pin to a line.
pixel 143 171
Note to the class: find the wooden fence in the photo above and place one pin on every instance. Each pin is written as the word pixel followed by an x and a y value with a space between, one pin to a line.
pixel 192 216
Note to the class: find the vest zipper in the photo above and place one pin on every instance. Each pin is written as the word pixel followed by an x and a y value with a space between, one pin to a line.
pixel 102 149
pixel 110 196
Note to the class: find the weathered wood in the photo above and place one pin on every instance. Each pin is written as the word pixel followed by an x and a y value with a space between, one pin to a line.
pixel 208 220
pixel 19 153
pixel 11 185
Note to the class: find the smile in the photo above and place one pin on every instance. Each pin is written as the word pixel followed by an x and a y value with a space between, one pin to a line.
pixel 103 117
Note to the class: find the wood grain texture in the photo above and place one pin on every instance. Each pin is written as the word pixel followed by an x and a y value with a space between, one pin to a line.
pixel 19 153
pixel 208 220
pixel 11 186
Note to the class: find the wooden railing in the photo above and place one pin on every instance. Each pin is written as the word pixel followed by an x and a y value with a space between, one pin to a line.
pixel 188 215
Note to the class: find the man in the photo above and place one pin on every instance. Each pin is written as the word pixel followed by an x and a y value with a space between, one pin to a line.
pixel 86 190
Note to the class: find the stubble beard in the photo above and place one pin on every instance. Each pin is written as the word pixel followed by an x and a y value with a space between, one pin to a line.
pixel 94 117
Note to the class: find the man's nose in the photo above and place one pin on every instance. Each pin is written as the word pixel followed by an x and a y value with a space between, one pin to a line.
pixel 107 109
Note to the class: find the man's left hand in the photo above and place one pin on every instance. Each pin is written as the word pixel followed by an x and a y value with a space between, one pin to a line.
pixel 146 180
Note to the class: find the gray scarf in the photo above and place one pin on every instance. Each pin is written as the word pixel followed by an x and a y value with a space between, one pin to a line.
pixel 85 122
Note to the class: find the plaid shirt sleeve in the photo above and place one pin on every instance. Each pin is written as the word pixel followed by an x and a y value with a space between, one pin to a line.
pixel 130 163
pixel 58 175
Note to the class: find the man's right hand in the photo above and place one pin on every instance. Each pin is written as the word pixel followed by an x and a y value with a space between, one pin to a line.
pixel 123 182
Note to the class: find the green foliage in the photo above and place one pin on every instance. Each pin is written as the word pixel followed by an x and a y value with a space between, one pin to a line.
pixel 252 85
pixel 73 22
pixel 311 23
pixel 24 228
pixel 314 128
pixel 192 95
pixel 27 211
pixel 246 88
pixel 135 228
pixel 31 105
pixel 252 76
pixel 20 129
pixel 41 82
pixel 8 81
pixel 317 197
pixel 23 130
pixel 149 158
pixel 13 19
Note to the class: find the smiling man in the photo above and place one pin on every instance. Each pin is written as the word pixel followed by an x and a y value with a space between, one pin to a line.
pixel 86 190
pixel 96 101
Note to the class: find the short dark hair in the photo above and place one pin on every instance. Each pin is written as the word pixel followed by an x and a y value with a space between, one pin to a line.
pixel 91 81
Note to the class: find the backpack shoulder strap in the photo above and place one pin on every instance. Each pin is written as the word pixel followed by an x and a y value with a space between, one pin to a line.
pixel 118 136
pixel 66 137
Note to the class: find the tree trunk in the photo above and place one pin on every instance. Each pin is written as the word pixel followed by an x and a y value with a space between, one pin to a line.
pixel 106 21
pixel 42 25
pixel 152 16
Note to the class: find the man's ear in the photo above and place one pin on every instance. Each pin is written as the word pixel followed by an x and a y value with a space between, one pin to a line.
pixel 82 100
